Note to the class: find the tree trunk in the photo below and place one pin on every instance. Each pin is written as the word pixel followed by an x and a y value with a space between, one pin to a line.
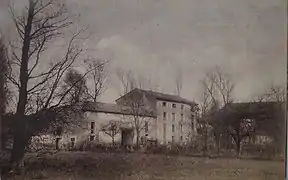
pixel 205 144
pixel 20 139
pixel 113 140
pixel 57 143
pixel 137 138
pixel 238 147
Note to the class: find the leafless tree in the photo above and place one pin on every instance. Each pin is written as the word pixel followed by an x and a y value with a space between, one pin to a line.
pixel 219 86
pixel 135 102
pixel 178 81
pixel 217 92
pixel 140 115
pixel 98 78
pixel 130 80
pixel 3 85
pixel 112 129
pixel 273 93
pixel 276 93
pixel 202 122
pixel 39 92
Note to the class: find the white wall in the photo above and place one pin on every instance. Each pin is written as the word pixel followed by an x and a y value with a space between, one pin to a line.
pixel 186 130
pixel 102 119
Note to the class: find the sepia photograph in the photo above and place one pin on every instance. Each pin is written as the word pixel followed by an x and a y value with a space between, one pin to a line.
pixel 143 89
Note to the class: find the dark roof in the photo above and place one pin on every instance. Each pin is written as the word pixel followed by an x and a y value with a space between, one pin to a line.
pixel 248 109
pixel 162 96
pixel 113 109
pixel 252 107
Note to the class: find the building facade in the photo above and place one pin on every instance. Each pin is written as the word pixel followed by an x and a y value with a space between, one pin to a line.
pixel 156 116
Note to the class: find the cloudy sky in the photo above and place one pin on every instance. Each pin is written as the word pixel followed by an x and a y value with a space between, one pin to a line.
pixel 155 38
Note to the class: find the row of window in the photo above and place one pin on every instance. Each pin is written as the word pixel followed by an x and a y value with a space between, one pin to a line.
pixel 173 116
pixel 164 104
pixel 173 130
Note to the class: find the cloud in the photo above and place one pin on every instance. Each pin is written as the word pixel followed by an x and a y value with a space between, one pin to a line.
pixel 155 37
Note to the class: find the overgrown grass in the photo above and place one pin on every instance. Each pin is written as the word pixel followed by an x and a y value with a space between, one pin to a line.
pixel 136 166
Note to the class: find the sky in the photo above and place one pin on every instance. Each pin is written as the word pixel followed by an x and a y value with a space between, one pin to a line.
pixel 156 38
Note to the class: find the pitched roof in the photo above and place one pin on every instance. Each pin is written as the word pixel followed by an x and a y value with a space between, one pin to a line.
pixel 251 107
pixel 113 109
pixel 161 96
pixel 248 109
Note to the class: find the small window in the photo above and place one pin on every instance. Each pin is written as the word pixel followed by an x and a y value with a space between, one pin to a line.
pixel 192 116
pixel 173 116
pixel 164 115
pixel 164 104
pixel 92 138
pixel 164 131
pixel 181 138
pixel 173 105
pixel 182 115
pixel 182 106
pixel 173 139
pixel 181 128
pixel 73 140
pixel 173 128
pixel 92 127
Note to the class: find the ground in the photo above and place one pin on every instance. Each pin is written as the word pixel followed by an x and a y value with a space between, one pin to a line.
pixel 135 166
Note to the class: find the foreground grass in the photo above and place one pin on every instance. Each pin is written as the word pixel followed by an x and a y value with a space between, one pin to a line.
pixel 88 166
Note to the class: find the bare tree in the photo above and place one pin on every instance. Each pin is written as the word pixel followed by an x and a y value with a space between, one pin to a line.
pixel 3 80
pixel 141 114
pixel 277 95
pixel 178 81
pixel 237 127
pixel 112 129
pixel 39 92
pixel 3 86
pixel 217 92
pixel 273 93
pixel 135 102
pixel 129 81
pixel 98 78
pixel 202 121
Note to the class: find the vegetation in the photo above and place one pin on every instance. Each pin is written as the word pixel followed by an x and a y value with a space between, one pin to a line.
pixel 111 166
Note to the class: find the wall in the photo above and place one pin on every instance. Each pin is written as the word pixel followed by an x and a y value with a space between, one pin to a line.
pixel 186 128
pixel 102 119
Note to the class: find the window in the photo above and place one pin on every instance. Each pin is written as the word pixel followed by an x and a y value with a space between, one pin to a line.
pixel 92 138
pixel 73 140
pixel 92 127
pixel 146 127
pixel 163 104
pixel 173 128
pixel 173 139
pixel 182 106
pixel 173 116
pixel 192 116
pixel 164 116
pixel 181 138
pixel 181 128
pixel 164 131
pixel 182 115
pixel 173 105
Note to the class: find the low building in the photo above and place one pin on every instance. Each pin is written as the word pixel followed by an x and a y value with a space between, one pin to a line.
pixel 254 123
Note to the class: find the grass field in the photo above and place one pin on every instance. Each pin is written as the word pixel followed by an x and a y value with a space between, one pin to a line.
pixel 101 166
